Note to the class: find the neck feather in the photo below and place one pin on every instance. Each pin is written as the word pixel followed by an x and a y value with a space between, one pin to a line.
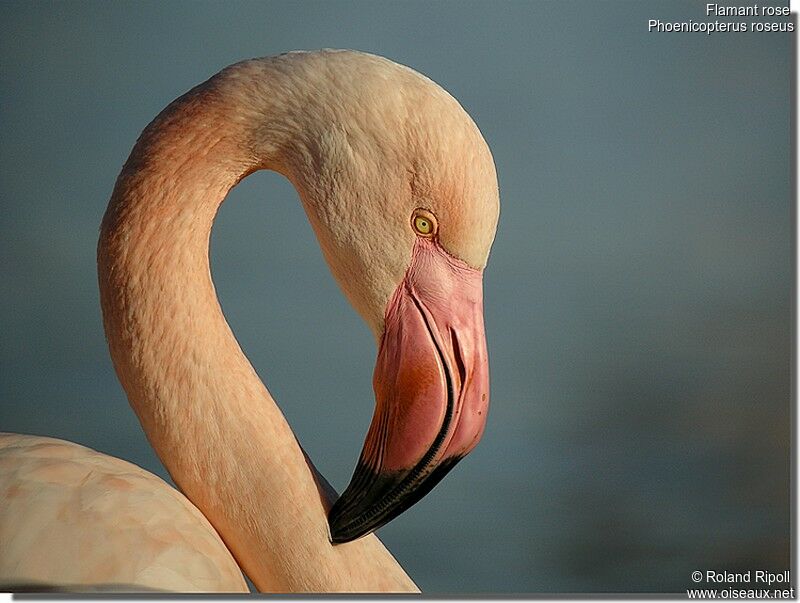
pixel 211 420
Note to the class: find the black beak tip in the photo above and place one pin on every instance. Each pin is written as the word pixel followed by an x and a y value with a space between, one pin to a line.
pixel 339 533
pixel 339 537
pixel 371 500
pixel 353 514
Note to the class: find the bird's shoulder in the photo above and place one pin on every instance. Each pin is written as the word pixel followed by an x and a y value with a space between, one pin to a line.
pixel 72 516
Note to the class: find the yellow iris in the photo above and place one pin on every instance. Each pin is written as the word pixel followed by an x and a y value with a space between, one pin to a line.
pixel 424 223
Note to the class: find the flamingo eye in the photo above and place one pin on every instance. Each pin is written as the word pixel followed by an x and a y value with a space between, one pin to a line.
pixel 424 223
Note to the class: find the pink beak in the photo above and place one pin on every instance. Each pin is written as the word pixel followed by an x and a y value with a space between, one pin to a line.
pixel 431 386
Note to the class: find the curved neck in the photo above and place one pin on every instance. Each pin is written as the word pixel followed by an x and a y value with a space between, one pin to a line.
pixel 211 420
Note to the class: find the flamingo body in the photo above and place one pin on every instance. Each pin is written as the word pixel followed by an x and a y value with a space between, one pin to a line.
pixel 401 191
pixel 130 530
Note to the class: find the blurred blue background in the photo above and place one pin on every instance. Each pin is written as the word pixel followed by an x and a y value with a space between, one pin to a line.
pixel 637 296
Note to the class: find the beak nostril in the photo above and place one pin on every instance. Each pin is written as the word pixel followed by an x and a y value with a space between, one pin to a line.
pixel 459 360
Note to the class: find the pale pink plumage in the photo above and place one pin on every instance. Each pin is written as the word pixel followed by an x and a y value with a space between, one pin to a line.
pixel 130 530
pixel 364 141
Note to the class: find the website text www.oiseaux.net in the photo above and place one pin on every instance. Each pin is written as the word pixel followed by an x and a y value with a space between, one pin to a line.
pixel 741 585
pixel 740 593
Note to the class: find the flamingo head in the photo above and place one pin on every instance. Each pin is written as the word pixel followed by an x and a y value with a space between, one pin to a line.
pixel 401 190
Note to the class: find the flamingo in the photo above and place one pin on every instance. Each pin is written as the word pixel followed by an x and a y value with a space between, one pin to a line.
pixel 401 191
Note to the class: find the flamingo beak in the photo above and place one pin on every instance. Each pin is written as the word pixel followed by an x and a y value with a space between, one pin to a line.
pixel 431 385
